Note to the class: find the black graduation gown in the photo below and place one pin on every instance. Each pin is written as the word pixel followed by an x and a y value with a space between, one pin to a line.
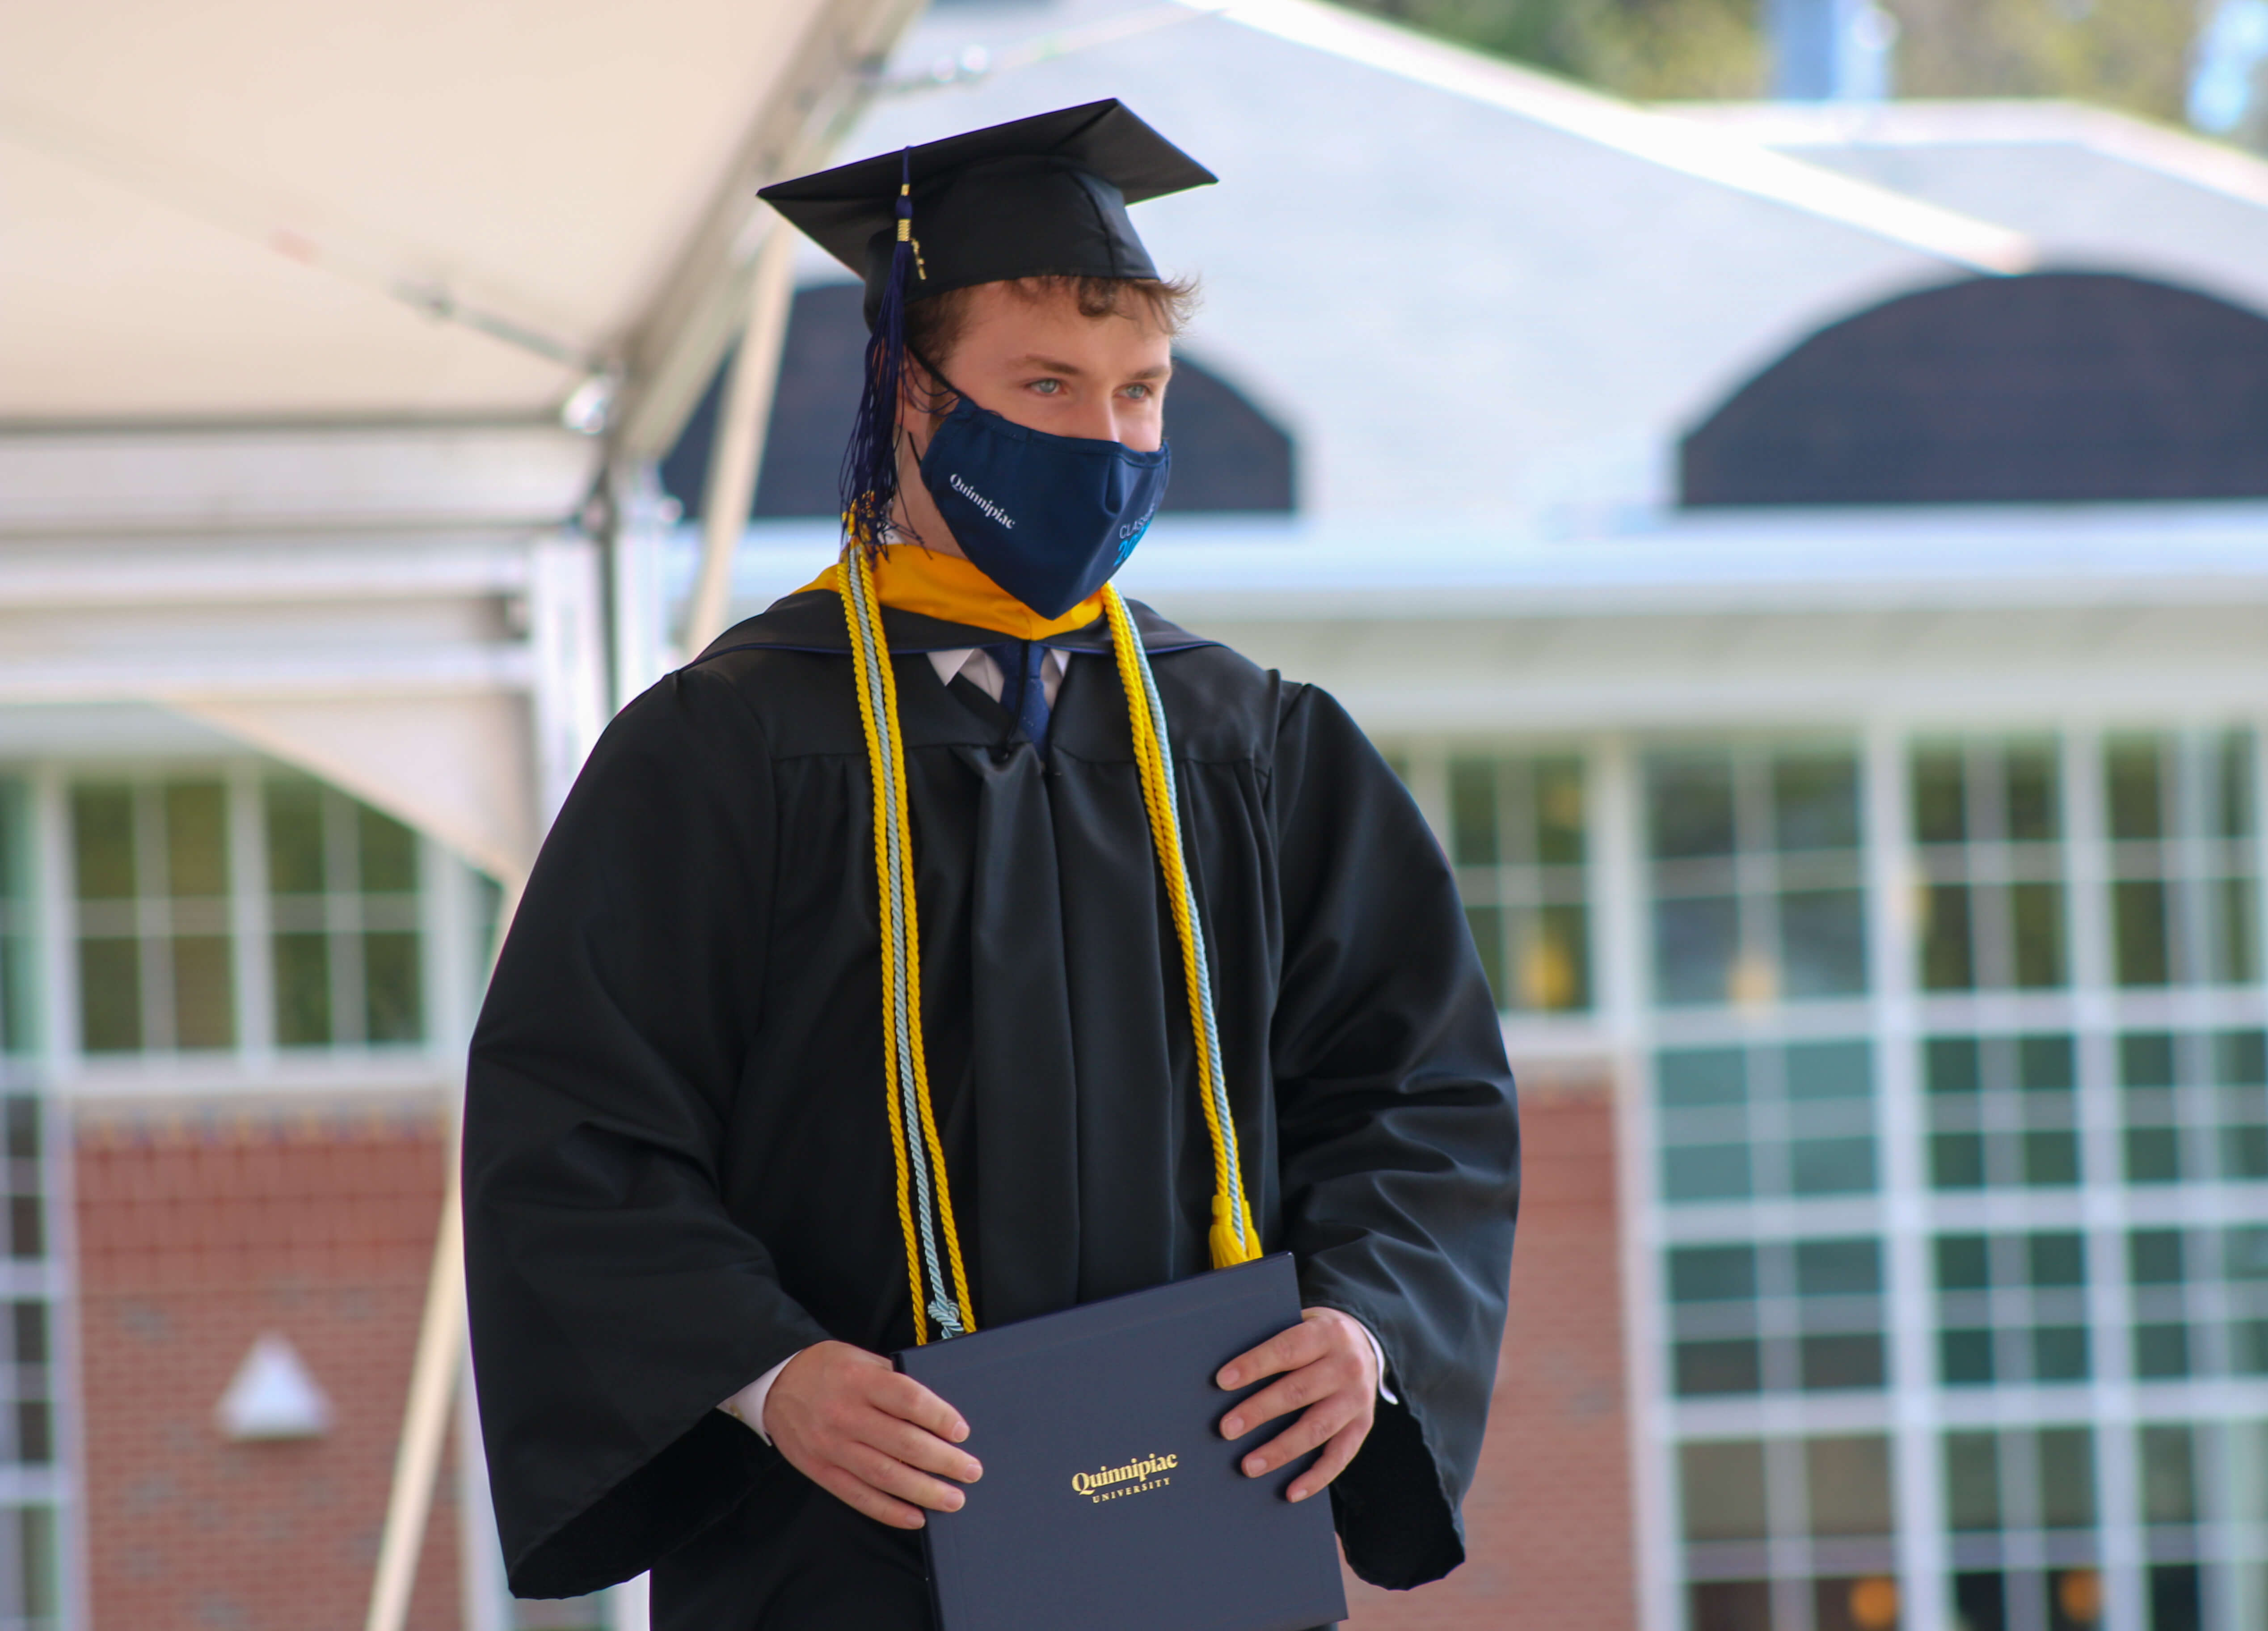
pixel 677 1167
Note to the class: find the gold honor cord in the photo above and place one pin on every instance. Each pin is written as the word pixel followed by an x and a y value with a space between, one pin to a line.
pixel 924 1201
pixel 1232 1239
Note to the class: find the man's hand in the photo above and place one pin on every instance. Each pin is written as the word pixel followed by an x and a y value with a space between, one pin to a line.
pixel 867 1436
pixel 1324 1364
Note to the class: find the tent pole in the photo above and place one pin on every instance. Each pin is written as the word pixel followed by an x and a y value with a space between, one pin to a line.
pixel 739 441
pixel 434 1372
pixel 424 1428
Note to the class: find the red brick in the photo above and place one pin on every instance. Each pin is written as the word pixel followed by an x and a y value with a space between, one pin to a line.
pixel 191 1242
pixel 195 1240
pixel 1549 1540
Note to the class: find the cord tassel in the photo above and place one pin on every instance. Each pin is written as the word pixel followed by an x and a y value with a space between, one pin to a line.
pixel 868 481
pixel 1229 1245
pixel 1232 1239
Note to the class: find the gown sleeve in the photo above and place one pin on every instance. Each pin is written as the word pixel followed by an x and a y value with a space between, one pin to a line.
pixel 614 1302
pixel 1399 1140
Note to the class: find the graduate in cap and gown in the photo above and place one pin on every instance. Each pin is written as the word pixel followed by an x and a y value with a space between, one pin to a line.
pixel 957 942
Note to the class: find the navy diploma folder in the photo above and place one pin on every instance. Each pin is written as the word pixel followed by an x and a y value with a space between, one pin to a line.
pixel 1109 1500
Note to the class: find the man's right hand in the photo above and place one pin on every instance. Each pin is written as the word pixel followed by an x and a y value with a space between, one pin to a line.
pixel 867 1436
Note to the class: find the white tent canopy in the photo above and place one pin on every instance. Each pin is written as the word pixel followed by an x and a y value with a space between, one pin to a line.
pixel 256 208
pixel 319 326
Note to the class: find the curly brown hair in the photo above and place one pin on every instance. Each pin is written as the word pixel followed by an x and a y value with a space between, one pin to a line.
pixel 934 326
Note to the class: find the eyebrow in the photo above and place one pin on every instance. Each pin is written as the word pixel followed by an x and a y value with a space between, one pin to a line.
pixel 1054 365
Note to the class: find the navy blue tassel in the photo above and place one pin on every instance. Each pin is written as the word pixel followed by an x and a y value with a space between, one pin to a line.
pixel 869 483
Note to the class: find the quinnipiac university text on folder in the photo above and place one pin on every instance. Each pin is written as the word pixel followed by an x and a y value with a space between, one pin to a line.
pixel 1109 1500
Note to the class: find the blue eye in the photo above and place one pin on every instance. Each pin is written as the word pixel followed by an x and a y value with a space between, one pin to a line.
pixel 1139 393
pixel 1048 387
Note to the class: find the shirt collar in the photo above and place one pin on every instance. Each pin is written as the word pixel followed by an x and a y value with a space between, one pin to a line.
pixel 986 675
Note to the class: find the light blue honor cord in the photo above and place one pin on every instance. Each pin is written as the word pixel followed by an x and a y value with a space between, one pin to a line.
pixel 1211 1040
pixel 943 1310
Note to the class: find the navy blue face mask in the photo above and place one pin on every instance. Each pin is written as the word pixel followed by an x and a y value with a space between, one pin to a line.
pixel 1048 517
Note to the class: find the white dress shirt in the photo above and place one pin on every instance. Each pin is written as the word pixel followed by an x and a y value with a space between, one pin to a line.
pixel 975 665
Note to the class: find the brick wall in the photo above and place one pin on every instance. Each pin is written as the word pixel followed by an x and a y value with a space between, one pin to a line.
pixel 195 1236
pixel 1548 1524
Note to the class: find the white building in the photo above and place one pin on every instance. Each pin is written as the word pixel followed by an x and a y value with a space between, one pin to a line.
pixel 1813 565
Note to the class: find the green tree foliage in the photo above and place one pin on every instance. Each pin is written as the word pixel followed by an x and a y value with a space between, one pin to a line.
pixel 2129 53
pixel 1646 49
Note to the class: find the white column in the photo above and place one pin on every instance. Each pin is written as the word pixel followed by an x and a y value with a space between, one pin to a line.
pixel 54 947
pixel 55 924
pixel 567 634
pixel 1618 941
pixel 248 918
pixel 642 651
pixel 2103 1196
pixel 454 959
pixel 1925 1590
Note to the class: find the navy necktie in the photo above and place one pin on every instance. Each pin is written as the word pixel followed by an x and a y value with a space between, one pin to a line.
pixel 1024 687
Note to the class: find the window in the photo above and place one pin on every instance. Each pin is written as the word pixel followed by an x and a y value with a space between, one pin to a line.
pixel 1783 1316
pixel 1517 838
pixel 342 887
pixel 26 1217
pixel 1988 825
pixel 28 1558
pixel 2203 1496
pixel 2195 1105
pixel 2200 1302
pixel 156 969
pixel 27 1435
pixel 2015 1501
pixel 186 888
pixel 2169 1467
pixel 1814 1512
pixel 16 1003
pixel 1787 1119
pixel 165 927
pixel 1972 392
pixel 2021 1480
pixel 1756 875
pixel 2088 1061
pixel 2183 895
pixel 29 1562
pixel 2156 1267
pixel 2003 1111
pixel 2012 1308
pixel 2244 1268
pixel 2167 1457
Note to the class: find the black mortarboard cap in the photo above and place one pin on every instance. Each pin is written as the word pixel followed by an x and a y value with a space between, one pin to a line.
pixel 1035 197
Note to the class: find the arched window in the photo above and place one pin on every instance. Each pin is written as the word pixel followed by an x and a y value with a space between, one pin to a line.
pixel 1227 455
pixel 2055 387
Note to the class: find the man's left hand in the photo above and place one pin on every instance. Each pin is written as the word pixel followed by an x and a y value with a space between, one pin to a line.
pixel 1325 1369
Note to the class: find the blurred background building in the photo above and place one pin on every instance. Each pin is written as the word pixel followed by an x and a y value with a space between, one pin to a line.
pixel 1808 557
